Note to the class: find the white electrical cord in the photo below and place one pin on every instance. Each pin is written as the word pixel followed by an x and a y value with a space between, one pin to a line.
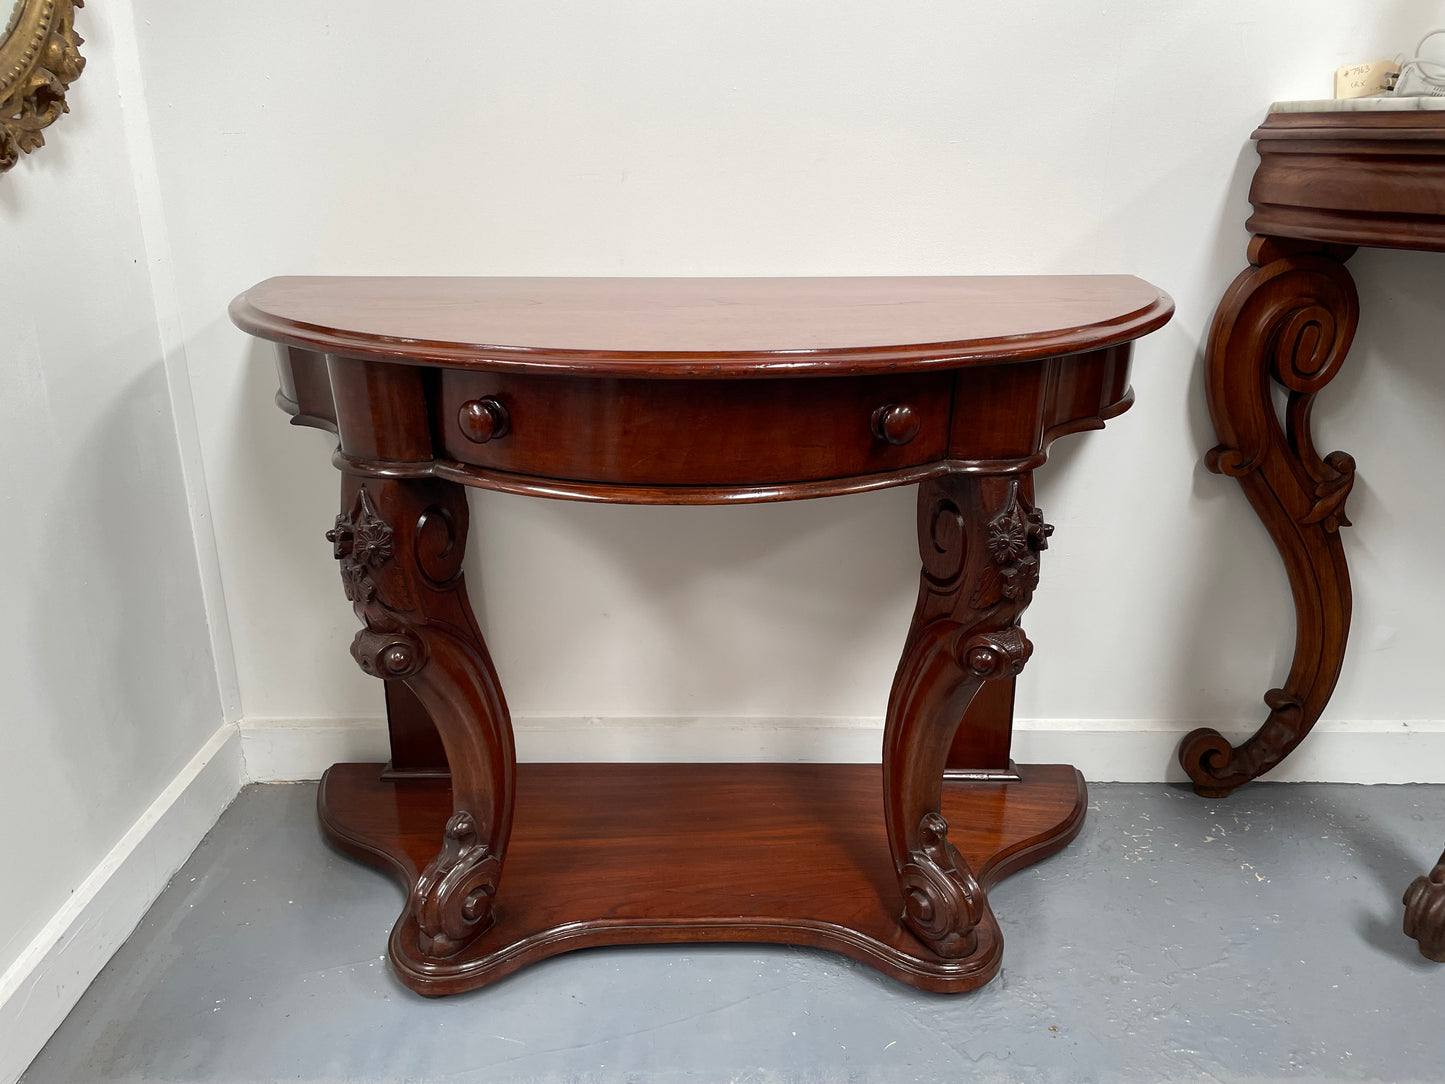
pixel 1421 76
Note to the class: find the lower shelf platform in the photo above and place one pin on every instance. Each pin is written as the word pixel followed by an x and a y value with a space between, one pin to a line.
pixel 614 854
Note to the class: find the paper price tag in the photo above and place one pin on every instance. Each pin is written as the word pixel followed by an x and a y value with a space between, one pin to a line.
pixel 1364 80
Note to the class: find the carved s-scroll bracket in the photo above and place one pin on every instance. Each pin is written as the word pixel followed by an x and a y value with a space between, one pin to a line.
pixel 1288 320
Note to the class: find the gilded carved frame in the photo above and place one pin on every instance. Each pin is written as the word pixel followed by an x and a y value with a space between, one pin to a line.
pixel 39 59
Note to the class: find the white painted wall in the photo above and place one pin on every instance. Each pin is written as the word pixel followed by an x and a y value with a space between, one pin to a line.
pixel 766 137
pixel 110 684
pixel 157 511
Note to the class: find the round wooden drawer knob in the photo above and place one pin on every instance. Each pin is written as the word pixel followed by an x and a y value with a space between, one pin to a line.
pixel 896 423
pixel 482 420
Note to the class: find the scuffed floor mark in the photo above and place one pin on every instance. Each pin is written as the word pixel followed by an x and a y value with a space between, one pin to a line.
pixel 1248 868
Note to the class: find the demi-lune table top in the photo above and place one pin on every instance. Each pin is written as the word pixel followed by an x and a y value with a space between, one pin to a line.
pixel 662 327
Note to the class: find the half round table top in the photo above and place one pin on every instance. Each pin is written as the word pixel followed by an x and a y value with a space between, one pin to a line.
pixel 664 327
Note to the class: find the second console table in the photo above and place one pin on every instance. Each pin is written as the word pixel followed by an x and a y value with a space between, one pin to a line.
pixel 1332 176
pixel 698 391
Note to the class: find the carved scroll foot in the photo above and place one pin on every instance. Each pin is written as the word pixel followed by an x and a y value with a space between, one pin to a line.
pixel 1425 912
pixel 979 538
pixel 400 544
pixel 452 899
pixel 1289 319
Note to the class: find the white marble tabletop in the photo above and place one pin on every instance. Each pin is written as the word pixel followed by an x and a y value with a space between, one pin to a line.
pixel 1358 105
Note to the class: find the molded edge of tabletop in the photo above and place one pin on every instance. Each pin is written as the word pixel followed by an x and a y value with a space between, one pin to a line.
pixel 264 311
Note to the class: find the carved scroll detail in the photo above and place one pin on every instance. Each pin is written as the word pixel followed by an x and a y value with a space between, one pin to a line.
pixel 1288 320
pixel 389 655
pixel 39 59
pixel 400 546
pixel 979 540
pixel 998 654
pixel 452 899
pixel 941 899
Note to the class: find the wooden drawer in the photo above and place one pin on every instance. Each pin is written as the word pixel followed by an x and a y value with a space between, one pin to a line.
pixel 693 432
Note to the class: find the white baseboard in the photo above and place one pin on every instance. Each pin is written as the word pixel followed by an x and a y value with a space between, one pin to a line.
pixel 286 750
pixel 45 982
pixel 1105 751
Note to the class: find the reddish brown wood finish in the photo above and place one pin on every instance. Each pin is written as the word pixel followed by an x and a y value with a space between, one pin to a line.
pixel 400 545
pixel 793 389
pixel 1001 420
pixel 979 541
pixel 1369 179
pixel 611 854
pixel 1326 182
pixel 686 328
pixel 646 432
pixel 416 747
pixel 1425 912
pixel 1288 319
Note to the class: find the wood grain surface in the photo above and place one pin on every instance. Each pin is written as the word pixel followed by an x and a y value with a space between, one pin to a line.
pixel 691 327
pixel 610 854
pixel 1369 178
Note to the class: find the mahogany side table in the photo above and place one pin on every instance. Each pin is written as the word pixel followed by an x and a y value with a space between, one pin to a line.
pixel 698 391
pixel 1332 176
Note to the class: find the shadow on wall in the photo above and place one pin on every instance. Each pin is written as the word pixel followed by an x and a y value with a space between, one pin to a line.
pixel 1383 408
pixel 118 644
pixel 1240 566
pixel 286 495
pixel 1189 610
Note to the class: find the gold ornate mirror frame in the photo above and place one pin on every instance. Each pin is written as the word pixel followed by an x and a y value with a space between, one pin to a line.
pixel 39 59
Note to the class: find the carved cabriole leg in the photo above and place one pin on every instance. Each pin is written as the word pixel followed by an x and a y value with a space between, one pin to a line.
pixel 400 544
pixel 1425 912
pixel 979 538
pixel 1289 318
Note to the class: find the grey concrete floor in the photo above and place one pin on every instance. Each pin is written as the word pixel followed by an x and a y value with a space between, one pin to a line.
pixel 1251 939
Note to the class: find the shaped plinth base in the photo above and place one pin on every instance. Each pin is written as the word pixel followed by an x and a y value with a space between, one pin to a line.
pixel 614 854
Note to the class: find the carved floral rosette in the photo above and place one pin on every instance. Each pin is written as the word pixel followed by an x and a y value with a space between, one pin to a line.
pixel 1014 539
